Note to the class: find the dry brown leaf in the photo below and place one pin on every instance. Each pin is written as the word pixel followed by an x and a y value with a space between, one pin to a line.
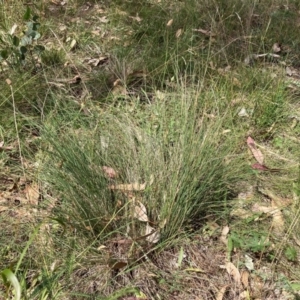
pixel 241 213
pixel 140 212
pixel 32 193
pixel 178 33
pixel 154 237
pixel 103 19
pixel 221 292
pixel 236 82
pixel 136 18
pixel 129 187
pixel 256 152
pixel 109 172
pixel 73 44
pixel 245 279
pixel 118 265
pixel 233 272
pixel 245 295
pixel 276 48
pixel 275 212
pixel 3 208
pixel 170 22
pixel 278 201
pixel 205 32
pixel 223 237
pixel 288 71
pixel 278 222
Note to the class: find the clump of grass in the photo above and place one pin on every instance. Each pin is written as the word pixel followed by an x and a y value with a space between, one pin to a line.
pixel 171 143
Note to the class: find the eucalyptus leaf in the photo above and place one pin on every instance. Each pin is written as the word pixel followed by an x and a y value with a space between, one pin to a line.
pixel 4 54
pixel 36 26
pixel 16 41
pixel 27 14
pixel 23 49
pixel 36 36
pixel 26 40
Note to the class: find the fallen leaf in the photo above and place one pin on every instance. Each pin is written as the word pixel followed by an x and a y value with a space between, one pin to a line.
pixel 221 292
pixel 73 44
pixel 136 18
pixel 101 247
pixel 288 71
pixel 278 222
pixel 233 272
pixel 140 212
pixel 258 166
pixel 160 95
pixel 276 48
pixel 109 172
pixel 245 295
pixel 256 152
pixel 249 263
pixel 241 213
pixel 223 237
pixel 154 237
pixel 178 33
pixel 170 22
pixel 245 279
pixel 13 29
pixel 236 82
pixel 3 208
pixel 275 212
pixel 205 32
pixel 104 19
pixel 32 193
pixel 118 265
pixel 243 112
pixel 276 200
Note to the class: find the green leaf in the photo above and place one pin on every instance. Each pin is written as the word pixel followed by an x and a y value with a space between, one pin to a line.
pixel 22 56
pixel 229 246
pixel 295 286
pixel 26 40
pixel 27 14
pixel 36 36
pixel 290 253
pixel 23 49
pixel 16 41
pixel 9 276
pixel 36 26
pixel 4 54
pixel 35 18
pixel 39 48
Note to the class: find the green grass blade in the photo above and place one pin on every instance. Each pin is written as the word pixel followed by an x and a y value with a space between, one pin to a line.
pixel 9 276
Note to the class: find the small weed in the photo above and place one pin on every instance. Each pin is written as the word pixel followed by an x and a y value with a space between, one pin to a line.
pixel 15 49
pixel 291 253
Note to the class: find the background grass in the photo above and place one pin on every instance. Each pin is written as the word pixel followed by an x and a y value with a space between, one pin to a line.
pixel 162 107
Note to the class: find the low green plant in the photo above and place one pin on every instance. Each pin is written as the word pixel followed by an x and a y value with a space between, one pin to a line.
pixel 291 253
pixel 256 242
pixel 15 49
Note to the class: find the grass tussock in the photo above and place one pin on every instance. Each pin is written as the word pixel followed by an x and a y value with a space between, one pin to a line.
pixel 188 166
